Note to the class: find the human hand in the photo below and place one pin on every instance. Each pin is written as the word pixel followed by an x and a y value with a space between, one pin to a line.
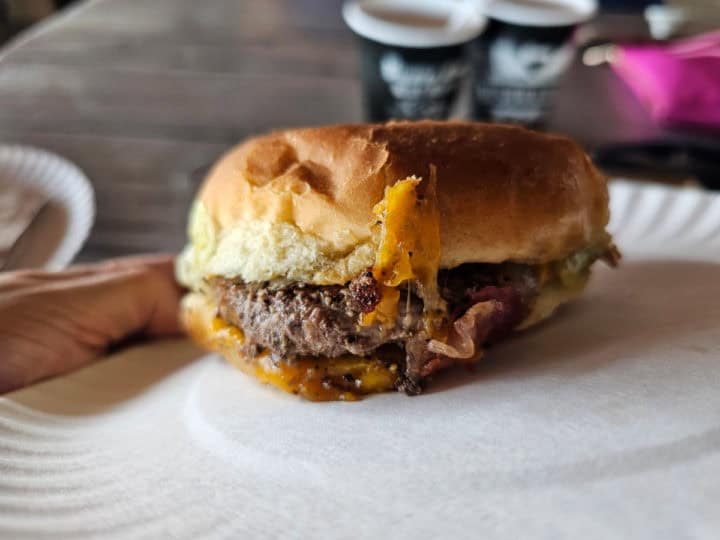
pixel 54 322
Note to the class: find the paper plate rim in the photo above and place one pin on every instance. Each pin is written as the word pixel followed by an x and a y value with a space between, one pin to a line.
pixel 41 167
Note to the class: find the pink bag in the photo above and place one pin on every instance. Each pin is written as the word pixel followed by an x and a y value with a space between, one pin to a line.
pixel 679 82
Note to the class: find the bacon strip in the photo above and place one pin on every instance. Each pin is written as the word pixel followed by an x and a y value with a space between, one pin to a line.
pixel 493 314
pixel 468 332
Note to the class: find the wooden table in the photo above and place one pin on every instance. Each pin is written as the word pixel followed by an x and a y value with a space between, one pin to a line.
pixel 143 94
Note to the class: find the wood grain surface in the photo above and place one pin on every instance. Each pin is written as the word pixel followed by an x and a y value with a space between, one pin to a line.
pixel 144 94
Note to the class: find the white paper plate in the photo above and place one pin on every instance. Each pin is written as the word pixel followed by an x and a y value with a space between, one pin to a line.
pixel 58 233
pixel 602 423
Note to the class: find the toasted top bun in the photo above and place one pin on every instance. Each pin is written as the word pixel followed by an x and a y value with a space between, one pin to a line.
pixel 297 205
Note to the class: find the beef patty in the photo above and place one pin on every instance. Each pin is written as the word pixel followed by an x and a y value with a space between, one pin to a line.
pixel 307 320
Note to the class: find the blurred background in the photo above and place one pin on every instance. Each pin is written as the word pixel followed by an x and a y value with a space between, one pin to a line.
pixel 18 14
pixel 143 95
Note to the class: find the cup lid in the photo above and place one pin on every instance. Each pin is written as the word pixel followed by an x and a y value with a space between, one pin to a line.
pixel 415 23
pixel 542 12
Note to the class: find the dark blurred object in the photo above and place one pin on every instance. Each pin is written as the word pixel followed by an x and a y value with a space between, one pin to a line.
pixel 22 13
pixel 413 57
pixel 658 160
pixel 648 131
pixel 598 109
pixel 626 5
pixel 16 15
pixel 520 59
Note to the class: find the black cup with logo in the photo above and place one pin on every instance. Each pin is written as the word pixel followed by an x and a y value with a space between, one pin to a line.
pixel 401 82
pixel 522 56
pixel 413 54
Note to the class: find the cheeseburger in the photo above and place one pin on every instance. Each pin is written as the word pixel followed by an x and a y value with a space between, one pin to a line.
pixel 339 261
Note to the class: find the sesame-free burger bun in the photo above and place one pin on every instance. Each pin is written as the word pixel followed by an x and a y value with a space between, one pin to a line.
pixel 297 204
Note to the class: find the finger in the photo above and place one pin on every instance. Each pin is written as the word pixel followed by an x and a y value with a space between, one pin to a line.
pixel 122 301
pixel 153 260
pixel 81 284
pixel 132 261
pixel 28 278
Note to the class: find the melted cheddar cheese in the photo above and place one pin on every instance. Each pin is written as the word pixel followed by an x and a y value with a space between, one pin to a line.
pixel 346 378
pixel 408 232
